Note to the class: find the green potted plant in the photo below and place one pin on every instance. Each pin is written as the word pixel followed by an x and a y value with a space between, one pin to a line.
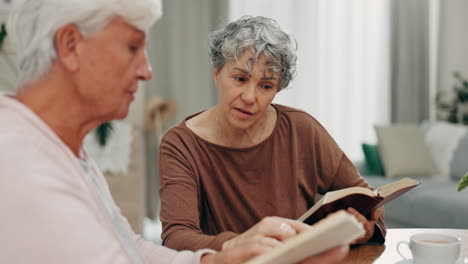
pixel 453 106
pixel 103 133
pixel 3 35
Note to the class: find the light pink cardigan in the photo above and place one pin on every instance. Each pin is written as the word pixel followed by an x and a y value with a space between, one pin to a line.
pixel 49 212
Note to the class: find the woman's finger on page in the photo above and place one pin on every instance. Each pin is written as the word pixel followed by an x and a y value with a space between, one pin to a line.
pixel 298 225
pixel 276 227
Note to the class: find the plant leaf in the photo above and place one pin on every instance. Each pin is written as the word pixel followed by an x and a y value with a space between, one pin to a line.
pixel 103 133
pixel 3 35
pixel 463 183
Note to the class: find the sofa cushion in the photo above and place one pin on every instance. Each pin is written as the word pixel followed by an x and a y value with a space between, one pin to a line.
pixel 372 159
pixel 459 164
pixel 434 203
pixel 404 152
pixel 448 144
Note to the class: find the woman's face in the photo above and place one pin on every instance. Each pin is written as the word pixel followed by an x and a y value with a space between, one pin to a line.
pixel 245 92
pixel 112 63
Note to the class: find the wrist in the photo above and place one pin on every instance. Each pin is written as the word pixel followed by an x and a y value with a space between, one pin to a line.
pixel 207 258
pixel 212 258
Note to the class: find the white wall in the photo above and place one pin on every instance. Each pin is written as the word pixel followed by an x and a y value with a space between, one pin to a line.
pixel 453 49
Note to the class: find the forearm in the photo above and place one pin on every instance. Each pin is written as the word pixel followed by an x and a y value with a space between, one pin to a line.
pixel 190 240
pixel 152 253
pixel 348 176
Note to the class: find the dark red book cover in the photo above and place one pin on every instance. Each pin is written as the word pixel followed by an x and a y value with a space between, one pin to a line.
pixel 361 202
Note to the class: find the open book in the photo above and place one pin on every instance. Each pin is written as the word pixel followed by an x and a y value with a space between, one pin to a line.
pixel 340 228
pixel 362 199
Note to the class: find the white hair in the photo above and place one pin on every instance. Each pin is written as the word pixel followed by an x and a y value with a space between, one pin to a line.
pixel 32 25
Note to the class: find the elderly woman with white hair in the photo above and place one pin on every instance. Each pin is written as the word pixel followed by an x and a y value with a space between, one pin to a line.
pixel 80 63
pixel 224 169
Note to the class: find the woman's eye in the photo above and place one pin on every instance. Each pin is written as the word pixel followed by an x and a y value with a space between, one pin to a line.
pixel 267 86
pixel 240 79
pixel 134 48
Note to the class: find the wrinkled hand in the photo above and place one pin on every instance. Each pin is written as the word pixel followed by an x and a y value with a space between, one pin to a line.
pixel 369 224
pixel 267 234
pixel 262 237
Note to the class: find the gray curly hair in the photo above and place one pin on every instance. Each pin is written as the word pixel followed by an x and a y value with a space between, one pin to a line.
pixel 262 36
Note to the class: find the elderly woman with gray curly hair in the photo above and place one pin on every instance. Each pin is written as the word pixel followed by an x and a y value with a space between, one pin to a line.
pixel 226 168
pixel 80 64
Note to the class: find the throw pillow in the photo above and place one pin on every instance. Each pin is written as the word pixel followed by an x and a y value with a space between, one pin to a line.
pixel 448 144
pixel 459 164
pixel 404 152
pixel 372 158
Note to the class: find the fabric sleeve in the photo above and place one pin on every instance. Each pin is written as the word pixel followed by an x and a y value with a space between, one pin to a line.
pixel 179 193
pixel 152 253
pixel 348 176
pixel 46 217
pixel 156 254
pixel 336 172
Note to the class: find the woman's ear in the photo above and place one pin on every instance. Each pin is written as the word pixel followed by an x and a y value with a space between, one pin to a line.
pixel 67 39
pixel 215 75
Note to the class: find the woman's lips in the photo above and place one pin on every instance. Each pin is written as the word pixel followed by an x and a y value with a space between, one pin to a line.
pixel 131 94
pixel 242 113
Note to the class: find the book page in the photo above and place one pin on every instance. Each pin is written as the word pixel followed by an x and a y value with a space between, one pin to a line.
pixel 340 228
pixel 335 195
pixel 391 188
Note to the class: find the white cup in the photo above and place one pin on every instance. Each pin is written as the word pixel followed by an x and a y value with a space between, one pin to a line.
pixel 432 248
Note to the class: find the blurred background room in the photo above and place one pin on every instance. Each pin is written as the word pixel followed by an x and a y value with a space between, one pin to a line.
pixel 398 65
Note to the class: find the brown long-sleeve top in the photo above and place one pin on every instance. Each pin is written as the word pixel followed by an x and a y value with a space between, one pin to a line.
pixel 211 193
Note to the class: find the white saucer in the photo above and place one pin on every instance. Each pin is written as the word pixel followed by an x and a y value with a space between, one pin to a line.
pixel 410 261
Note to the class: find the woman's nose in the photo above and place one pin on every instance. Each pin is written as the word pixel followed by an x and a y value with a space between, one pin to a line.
pixel 144 71
pixel 248 95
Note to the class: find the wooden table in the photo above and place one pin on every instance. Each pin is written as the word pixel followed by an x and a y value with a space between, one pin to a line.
pixel 387 254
